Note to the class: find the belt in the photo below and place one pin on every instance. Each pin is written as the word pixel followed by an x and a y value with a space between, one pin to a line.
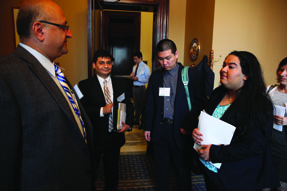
pixel 139 86
pixel 167 120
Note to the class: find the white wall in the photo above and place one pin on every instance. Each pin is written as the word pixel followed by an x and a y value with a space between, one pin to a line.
pixel 258 26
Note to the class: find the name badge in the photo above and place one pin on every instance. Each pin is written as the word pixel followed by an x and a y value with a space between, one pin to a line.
pixel 164 91
pixel 121 97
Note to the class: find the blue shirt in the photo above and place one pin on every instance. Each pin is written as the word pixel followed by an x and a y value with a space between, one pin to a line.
pixel 143 74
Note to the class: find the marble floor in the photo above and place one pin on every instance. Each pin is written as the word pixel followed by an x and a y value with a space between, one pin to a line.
pixel 135 142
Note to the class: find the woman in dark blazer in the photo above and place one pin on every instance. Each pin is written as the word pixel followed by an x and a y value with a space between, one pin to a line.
pixel 242 102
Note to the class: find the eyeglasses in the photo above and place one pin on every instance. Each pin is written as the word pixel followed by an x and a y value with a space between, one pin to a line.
pixel 63 27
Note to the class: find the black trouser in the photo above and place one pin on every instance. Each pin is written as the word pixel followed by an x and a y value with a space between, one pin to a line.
pixel 165 153
pixel 138 97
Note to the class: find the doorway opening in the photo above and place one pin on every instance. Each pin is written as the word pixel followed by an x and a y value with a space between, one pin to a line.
pixel 123 44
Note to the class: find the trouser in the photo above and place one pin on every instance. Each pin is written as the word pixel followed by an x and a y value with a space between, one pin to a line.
pixel 138 97
pixel 165 153
pixel 111 167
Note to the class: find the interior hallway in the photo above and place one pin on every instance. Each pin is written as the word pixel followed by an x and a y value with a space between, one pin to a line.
pixel 135 142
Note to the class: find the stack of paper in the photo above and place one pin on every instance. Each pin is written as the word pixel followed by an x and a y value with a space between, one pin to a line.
pixel 215 131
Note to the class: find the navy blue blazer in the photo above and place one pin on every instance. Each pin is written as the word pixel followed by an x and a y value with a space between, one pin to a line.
pixel 183 118
pixel 246 164
pixel 94 99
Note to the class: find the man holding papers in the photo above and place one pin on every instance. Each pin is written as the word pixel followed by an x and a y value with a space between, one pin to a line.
pixel 101 97
pixel 241 101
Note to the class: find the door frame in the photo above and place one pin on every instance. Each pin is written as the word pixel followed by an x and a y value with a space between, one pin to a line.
pixel 160 28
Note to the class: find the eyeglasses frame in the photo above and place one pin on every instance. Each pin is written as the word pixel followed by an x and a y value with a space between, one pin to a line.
pixel 63 27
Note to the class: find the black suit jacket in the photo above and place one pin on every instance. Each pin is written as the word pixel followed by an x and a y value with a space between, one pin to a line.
pixel 41 146
pixel 245 163
pixel 183 118
pixel 94 99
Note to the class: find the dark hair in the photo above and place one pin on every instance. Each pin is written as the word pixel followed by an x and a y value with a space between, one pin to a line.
pixel 102 54
pixel 252 105
pixel 138 54
pixel 281 64
pixel 166 44
pixel 27 15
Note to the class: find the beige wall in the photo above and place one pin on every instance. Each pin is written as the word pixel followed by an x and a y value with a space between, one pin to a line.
pixel 199 24
pixel 146 36
pixel 76 61
pixel 258 26
pixel 176 30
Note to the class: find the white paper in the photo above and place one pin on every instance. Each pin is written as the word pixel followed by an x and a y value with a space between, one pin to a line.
pixel 121 115
pixel 78 91
pixel 280 111
pixel 215 131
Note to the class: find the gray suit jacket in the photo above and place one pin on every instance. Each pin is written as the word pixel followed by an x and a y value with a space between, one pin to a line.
pixel 41 147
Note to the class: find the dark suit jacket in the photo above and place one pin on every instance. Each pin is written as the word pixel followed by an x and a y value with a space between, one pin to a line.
pixel 246 164
pixel 41 147
pixel 183 118
pixel 94 99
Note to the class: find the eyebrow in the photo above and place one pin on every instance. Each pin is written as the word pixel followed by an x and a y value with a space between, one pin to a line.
pixel 164 57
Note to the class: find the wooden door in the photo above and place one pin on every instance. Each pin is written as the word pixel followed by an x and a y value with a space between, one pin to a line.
pixel 121 37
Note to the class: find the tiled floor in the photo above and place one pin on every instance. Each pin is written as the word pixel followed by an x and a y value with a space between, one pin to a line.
pixel 135 142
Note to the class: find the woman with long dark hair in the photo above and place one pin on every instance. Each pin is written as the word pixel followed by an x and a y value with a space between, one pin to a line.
pixel 241 101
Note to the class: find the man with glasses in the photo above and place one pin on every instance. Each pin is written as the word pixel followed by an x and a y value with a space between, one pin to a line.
pixel 46 137
pixel 168 119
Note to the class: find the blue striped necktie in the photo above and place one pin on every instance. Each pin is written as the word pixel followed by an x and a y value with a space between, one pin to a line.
pixel 62 80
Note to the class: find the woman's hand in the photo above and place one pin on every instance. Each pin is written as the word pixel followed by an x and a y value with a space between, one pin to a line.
pixel 196 135
pixel 204 152
pixel 280 120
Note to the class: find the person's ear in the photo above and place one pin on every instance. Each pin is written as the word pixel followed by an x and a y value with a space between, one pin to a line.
pixel 94 65
pixel 245 77
pixel 38 31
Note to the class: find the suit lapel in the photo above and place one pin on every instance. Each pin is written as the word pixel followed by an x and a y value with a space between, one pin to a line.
pixel 42 74
pixel 96 91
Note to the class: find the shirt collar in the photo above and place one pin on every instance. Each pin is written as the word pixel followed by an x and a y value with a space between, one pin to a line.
pixel 173 71
pixel 44 61
pixel 101 80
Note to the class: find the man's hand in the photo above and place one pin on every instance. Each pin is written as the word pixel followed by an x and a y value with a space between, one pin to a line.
pixel 133 77
pixel 108 108
pixel 147 135
pixel 124 128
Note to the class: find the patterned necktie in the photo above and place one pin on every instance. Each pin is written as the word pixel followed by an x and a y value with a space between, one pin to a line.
pixel 62 80
pixel 108 100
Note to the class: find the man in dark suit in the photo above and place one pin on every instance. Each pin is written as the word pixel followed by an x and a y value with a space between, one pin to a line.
pixel 102 109
pixel 168 120
pixel 44 144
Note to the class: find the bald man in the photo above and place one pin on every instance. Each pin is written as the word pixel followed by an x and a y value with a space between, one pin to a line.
pixel 45 136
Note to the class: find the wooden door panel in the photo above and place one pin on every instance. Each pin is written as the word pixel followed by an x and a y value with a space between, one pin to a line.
pixel 121 36
pixel 122 48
